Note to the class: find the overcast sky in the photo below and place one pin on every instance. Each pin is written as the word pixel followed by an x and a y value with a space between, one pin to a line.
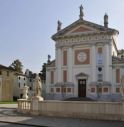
pixel 26 26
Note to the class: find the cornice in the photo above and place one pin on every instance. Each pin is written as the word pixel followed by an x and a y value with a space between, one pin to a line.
pixel 85 40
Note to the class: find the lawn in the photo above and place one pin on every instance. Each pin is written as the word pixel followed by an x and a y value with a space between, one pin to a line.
pixel 8 102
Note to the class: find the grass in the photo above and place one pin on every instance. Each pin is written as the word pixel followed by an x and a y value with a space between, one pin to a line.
pixel 8 102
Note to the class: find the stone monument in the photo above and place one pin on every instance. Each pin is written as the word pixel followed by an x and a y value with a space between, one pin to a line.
pixel 25 92
pixel 37 96
pixel 38 88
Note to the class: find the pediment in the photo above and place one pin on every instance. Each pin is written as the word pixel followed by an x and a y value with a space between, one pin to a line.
pixel 81 27
pixel 81 75
pixel 80 30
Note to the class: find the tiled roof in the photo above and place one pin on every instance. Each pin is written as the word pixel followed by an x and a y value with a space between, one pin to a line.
pixel 6 68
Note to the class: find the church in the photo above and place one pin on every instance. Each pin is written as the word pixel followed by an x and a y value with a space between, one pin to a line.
pixel 87 62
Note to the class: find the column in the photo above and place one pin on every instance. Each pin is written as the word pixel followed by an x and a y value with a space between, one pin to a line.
pixel 93 55
pixel 70 64
pixel 58 65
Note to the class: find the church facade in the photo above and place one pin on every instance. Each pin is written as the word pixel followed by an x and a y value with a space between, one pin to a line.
pixel 88 62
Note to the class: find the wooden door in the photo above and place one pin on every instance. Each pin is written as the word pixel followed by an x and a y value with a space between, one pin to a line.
pixel 82 88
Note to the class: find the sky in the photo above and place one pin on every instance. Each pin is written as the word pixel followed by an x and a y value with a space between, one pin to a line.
pixel 26 26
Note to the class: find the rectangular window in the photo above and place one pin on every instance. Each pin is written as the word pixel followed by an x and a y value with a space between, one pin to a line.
pixel 69 90
pixel 100 77
pixel 19 85
pixel 117 90
pixel 100 59
pixel 52 90
pixel 100 50
pixel 63 89
pixel 92 90
pixel 64 57
pixel 57 90
pixel 52 77
pixel 117 75
pixel 64 75
pixel 7 73
pixel 30 88
pixel 105 90
pixel 0 72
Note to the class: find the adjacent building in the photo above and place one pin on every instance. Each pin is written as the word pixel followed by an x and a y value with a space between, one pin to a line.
pixel 88 62
pixel 22 80
pixel 6 83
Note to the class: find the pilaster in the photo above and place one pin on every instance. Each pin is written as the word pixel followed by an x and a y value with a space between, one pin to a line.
pixel 58 64
pixel 93 63
pixel 107 62
pixel 70 64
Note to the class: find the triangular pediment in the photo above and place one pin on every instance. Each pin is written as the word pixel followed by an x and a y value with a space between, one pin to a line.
pixel 78 29
pixel 81 27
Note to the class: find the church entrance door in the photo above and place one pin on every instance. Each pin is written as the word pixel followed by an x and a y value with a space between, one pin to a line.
pixel 82 88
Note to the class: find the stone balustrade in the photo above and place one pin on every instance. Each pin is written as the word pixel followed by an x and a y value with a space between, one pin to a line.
pixel 24 106
pixel 74 109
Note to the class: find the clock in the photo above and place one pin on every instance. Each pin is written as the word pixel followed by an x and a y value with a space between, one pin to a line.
pixel 82 56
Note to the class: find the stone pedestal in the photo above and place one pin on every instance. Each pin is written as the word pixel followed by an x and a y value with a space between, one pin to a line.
pixel 35 104
pixel 25 92
pixel 37 98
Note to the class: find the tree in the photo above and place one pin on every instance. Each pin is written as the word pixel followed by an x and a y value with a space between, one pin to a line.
pixel 43 71
pixel 17 66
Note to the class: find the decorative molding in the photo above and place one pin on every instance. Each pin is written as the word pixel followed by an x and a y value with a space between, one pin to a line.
pixel 85 40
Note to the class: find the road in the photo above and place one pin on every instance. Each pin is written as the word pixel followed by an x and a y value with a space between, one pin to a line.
pixel 12 125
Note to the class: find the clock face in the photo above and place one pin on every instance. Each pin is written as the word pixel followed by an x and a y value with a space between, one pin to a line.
pixel 82 56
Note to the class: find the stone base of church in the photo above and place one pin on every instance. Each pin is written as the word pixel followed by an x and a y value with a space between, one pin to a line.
pixel 108 97
pixel 104 91
pixel 97 97
pixel 58 96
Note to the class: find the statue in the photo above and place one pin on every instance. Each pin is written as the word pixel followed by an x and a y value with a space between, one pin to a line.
pixel 81 12
pixel 59 25
pixel 49 57
pixel 38 88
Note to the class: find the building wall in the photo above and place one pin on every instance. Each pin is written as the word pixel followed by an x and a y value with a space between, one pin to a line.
pixel 0 88
pixel 7 80
pixel 99 50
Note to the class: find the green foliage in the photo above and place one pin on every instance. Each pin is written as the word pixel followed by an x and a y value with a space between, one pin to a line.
pixel 43 71
pixel 17 66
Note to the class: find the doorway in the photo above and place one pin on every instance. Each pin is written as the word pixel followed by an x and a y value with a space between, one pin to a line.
pixel 82 88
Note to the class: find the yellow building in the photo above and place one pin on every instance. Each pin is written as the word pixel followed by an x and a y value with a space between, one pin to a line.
pixel 6 83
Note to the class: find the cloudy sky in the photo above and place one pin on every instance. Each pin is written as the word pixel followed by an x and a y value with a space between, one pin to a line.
pixel 26 26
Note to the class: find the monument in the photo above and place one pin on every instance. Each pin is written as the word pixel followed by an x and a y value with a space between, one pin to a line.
pixel 38 88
